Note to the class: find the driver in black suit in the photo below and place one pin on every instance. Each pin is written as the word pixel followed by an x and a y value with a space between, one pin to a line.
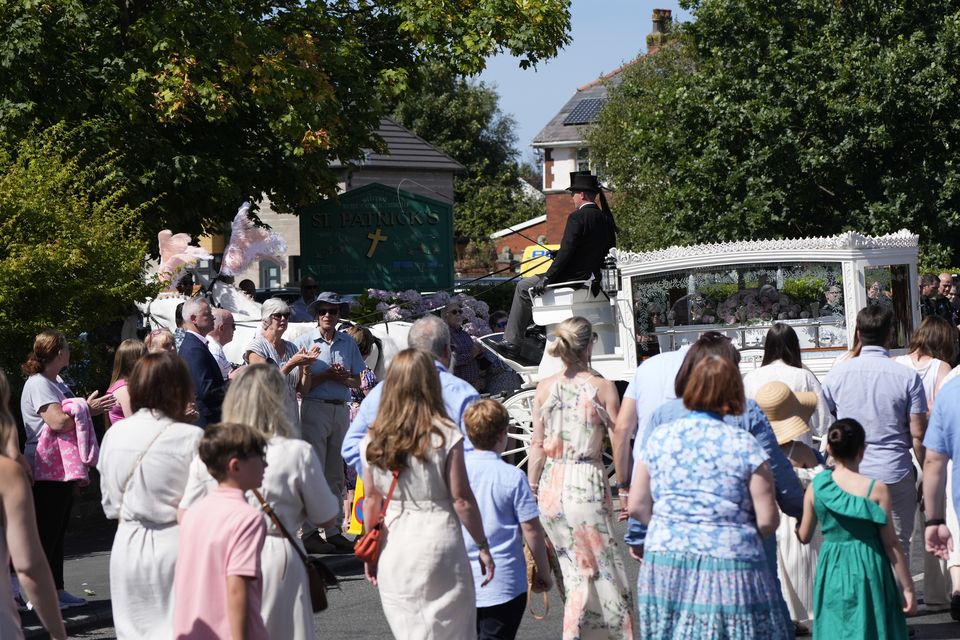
pixel 588 237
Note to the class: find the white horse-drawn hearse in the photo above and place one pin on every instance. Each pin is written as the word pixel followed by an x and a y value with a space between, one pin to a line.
pixel 658 301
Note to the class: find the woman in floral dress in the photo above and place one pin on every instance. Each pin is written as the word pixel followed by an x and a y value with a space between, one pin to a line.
pixel 706 490
pixel 573 410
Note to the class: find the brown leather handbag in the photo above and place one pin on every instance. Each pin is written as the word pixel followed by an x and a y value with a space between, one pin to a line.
pixel 368 547
pixel 318 575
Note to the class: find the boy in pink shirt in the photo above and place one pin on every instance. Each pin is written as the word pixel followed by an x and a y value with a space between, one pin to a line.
pixel 217 587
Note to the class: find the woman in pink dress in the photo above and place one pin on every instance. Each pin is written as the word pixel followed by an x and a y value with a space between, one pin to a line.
pixel 127 355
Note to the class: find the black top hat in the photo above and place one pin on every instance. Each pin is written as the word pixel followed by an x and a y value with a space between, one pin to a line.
pixel 583 181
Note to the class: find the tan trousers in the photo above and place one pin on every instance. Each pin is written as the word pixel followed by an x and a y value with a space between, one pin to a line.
pixel 324 426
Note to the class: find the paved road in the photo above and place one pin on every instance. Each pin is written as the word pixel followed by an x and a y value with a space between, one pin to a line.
pixel 354 611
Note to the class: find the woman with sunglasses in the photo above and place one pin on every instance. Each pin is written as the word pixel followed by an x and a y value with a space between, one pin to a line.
pixel 465 349
pixel 294 363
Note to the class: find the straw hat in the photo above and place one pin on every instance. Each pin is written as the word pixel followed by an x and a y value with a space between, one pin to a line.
pixel 787 411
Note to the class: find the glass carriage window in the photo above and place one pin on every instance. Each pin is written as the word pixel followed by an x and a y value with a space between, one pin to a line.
pixel 743 301
pixel 889 286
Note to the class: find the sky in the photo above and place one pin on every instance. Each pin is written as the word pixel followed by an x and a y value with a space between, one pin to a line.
pixel 605 34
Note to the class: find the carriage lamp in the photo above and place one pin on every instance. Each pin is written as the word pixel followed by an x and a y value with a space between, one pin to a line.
pixel 610 275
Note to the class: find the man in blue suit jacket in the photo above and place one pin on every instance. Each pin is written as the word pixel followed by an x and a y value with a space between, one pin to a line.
pixel 208 383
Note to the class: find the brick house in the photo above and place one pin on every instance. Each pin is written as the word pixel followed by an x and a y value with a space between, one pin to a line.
pixel 562 143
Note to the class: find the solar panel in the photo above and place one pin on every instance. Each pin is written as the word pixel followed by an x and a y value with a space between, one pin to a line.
pixel 585 111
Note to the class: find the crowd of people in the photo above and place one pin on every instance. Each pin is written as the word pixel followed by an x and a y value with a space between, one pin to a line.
pixel 761 506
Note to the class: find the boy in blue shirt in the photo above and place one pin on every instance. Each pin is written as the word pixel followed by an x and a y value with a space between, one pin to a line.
pixel 510 518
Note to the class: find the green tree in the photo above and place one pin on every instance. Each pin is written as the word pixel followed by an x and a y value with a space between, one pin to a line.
pixel 792 119
pixel 463 119
pixel 71 255
pixel 214 102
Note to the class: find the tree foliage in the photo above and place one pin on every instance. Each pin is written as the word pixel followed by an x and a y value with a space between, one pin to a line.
pixel 71 256
pixel 792 119
pixel 463 119
pixel 213 102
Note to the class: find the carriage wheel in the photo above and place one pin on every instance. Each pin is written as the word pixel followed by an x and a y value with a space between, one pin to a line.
pixel 520 432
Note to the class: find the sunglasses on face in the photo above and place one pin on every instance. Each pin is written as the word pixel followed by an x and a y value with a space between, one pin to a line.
pixel 501 325
pixel 454 312
pixel 279 316
pixel 329 311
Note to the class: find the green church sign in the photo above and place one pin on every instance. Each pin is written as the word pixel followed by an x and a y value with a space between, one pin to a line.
pixel 378 237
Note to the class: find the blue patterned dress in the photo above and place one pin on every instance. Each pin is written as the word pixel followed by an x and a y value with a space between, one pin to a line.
pixel 704 573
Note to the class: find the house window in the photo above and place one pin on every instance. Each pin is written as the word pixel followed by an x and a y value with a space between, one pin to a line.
pixel 269 275
pixel 583 159
pixel 585 164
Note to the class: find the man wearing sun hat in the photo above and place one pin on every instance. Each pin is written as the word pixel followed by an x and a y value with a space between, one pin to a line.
pixel 325 411
pixel 589 235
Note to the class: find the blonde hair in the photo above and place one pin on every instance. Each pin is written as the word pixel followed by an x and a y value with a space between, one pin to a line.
pixel 572 339
pixel 411 410
pixel 160 340
pixel 257 397
pixel 127 354
pixel 8 427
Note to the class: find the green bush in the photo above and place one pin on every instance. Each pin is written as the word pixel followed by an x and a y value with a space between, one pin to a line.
pixel 72 257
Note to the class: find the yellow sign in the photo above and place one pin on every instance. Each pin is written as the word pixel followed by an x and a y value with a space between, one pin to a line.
pixel 536 259
pixel 356 512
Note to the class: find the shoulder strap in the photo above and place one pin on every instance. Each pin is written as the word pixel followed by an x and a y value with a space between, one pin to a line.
pixel 870 488
pixel 267 509
pixel 386 503
pixel 126 485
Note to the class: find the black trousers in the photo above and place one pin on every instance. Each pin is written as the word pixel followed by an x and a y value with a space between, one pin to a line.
pixel 501 621
pixel 521 312
pixel 53 502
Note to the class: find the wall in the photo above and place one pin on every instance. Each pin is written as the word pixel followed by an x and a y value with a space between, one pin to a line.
pixel 556 173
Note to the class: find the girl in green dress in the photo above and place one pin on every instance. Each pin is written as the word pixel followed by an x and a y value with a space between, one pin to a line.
pixel 854 593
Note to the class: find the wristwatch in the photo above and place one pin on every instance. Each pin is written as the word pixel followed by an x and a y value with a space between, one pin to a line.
pixel 623 486
pixel 935 522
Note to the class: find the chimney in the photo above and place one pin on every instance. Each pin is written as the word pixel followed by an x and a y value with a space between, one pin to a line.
pixel 662 20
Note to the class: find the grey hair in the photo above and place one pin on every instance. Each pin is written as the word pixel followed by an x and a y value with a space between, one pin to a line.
pixel 431 334
pixel 270 307
pixel 192 308
pixel 219 315
pixel 256 397
pixel 572 338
